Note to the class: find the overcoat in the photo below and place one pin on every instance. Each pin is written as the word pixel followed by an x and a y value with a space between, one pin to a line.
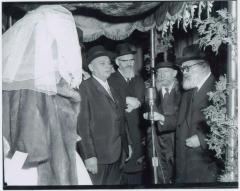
pixel 194 165
pixel 134 88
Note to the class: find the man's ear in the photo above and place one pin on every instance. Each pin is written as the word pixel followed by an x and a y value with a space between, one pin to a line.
pixel 174 73
pixel 90 67
pixel 117 61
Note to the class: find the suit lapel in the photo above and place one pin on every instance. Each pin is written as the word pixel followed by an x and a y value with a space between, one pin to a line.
pixel 123 82
pixel 202 93
pixel 185 107
pixel 101 89
pixel 188 106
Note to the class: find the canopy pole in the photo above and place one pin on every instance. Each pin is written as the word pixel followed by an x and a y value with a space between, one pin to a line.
pixel 152 44
pixel 232 101
pixel 152 95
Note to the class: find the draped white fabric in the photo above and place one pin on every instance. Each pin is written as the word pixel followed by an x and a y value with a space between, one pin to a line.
pixel 41 48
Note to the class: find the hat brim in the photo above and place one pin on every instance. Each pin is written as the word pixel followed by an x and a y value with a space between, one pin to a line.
pixel 99 54
pixel 175 67
pixel 180 60
pixel 171 65
pixel 125 53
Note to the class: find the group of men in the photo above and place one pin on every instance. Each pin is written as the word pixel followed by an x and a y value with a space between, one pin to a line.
pixel 111 125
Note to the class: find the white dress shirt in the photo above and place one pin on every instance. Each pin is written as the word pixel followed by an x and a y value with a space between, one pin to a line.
pixel 169 89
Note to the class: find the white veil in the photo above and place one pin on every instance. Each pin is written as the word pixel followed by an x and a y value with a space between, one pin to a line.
pixel 41 48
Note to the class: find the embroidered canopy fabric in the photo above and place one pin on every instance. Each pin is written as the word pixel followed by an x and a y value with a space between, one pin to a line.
pixel 123 18
pixel 116 20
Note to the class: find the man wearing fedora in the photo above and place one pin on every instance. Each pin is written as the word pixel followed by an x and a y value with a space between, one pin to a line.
pixel 194 161
pixel 131 88
pixel 101 122
pixel 167 103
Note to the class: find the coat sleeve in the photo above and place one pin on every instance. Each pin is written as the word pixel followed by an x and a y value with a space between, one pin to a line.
pixel 202 129
pixel 140 90
pixel 85 147
pixel 170 124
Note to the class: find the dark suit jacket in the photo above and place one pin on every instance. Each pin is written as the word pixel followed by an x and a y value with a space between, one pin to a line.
pixel 101 123
pixel 135 88
pixel 193 164
pixel 165 142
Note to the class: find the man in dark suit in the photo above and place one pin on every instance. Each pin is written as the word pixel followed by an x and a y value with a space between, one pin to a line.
pixel 131 88
pixel 194 161
pixel 168 101
pixel 101 122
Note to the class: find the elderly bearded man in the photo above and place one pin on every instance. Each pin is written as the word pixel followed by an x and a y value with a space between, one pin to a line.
pixel 101 122
pixel 131 88
pixel 167 103
pixel 194 161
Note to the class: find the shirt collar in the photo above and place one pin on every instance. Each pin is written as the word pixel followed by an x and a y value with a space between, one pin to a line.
pixel 103 83
pixel 169 88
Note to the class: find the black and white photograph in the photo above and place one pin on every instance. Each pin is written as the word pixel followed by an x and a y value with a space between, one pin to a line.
pixel 119 95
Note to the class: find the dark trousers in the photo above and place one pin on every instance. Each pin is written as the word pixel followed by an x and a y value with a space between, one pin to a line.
pixel 132 178
pixel 108 174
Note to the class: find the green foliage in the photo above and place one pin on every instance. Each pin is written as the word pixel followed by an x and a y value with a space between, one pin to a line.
pixel 221 126
pixel 214 31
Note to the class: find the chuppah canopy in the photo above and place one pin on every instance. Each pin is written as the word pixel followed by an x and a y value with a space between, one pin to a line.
pixel 115 20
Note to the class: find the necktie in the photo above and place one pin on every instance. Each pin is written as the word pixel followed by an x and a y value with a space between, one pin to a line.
pixel 165 102
pixel 166 95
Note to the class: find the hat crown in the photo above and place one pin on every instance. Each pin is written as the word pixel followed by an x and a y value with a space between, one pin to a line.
pixel 123 49
pixel 96 51
pixel 162 62
pixel 193 51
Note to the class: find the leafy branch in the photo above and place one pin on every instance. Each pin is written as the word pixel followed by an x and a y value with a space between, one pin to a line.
pixel 213 31
pixel 221 125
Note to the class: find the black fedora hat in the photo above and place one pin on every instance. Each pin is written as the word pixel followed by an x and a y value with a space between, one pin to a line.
pixel 166 64
pixel 95 52
pixel 192 52
pixel 123 49
pixel 169 62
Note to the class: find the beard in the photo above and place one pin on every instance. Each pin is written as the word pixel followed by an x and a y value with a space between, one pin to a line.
pixel 163 83
pixel 128 72
pixel 190 81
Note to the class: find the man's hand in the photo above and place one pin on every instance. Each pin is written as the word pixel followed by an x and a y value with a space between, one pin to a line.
pixel 130 152
pixel 132 103
pixel 156 117
pixel 193 141
pixel 91 165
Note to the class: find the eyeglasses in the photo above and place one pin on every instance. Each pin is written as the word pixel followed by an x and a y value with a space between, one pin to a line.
pixel 187 68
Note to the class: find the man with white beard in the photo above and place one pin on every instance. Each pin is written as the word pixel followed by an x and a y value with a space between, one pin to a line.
pixel 194 161
pixel 131 89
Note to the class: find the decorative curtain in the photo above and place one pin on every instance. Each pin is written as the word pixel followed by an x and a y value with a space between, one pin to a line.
pixel 94 27
pixel 115 20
